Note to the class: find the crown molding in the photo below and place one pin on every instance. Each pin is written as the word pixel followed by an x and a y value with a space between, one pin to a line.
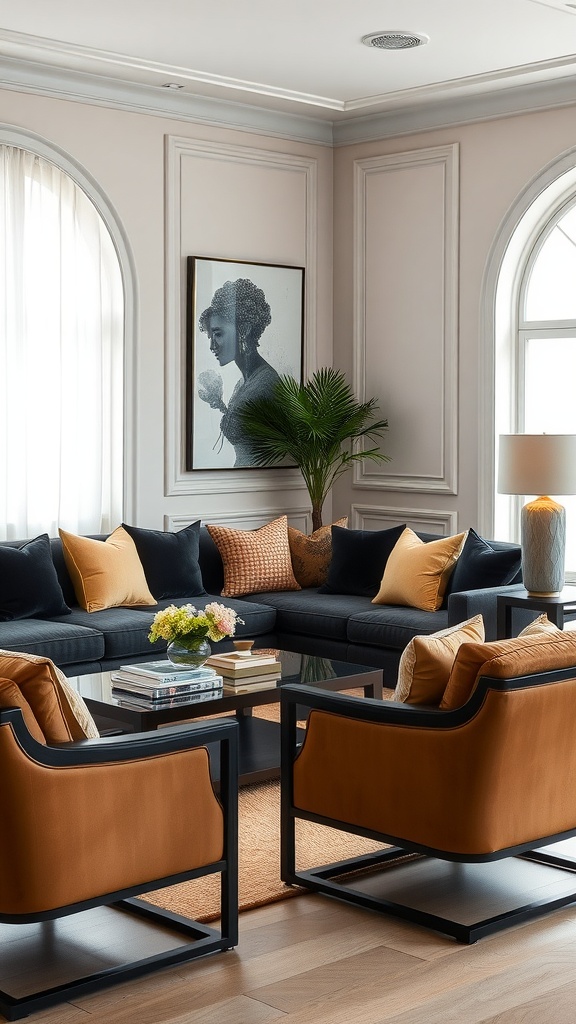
pixel 416 113
pixel 78 86
pixel 458 110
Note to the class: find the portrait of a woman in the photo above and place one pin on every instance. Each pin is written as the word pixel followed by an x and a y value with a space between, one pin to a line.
pixel 231 333
pixel 234 323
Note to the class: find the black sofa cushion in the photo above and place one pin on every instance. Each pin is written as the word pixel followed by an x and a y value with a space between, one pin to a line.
pixel 124 631
pixel 169 560
pixel 358 560
pixel 29 585
pixel 311 613
pixel 65 642
pixel 393 625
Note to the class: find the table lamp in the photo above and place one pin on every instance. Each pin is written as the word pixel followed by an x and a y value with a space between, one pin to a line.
pixel 541 464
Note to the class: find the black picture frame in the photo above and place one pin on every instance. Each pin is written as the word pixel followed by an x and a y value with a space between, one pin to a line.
pixel 214 361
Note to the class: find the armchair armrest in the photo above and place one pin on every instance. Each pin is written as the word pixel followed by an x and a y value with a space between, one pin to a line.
pixel 125 747
pixel 133 812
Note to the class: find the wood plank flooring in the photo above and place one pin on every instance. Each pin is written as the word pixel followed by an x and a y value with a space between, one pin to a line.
pixel 312 959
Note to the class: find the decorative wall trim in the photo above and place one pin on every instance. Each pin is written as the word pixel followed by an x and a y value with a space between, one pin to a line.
pixel 427 520
pixel 177 480
pixel 447 157
pixel 300 518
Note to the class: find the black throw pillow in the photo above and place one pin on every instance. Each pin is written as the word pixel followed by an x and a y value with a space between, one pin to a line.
pixel 29 585
pixel 358 560
pixel 480 565
pixel 169 560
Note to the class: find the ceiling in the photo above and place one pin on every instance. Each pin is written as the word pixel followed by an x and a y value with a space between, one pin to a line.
pixel 302 56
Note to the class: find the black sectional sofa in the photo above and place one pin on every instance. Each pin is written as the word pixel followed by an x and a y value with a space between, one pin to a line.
pixel 342 626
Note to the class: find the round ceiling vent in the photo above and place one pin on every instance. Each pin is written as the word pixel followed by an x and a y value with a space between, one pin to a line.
pixel 394 40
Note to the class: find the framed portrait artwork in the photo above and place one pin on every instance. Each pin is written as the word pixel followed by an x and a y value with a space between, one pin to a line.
pixel 244 329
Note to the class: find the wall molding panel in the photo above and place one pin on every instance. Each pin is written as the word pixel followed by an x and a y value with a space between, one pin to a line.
pixel 398 239
pixel 250 519
pixel 426 520
pixel 177 150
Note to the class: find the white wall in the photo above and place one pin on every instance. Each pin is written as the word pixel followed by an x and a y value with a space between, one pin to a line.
pixel 415 220
pixel 179 189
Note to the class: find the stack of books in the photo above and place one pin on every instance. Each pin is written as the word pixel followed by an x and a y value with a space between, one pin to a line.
pixel 258 670
pixel 155 685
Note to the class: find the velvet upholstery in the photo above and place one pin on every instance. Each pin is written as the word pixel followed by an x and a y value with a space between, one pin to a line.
pixel 359 558
pixel 169 560
pixel 29 586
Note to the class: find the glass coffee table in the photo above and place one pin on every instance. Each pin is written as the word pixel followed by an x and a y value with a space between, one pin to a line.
pixel 259 738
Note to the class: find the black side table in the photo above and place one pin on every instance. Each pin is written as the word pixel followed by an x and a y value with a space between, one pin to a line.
pixel 555 607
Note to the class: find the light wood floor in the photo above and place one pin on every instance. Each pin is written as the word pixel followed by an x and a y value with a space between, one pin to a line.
pixel 312 960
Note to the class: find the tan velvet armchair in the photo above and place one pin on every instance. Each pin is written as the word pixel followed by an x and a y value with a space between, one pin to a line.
pixel 464 798
pixel 91 823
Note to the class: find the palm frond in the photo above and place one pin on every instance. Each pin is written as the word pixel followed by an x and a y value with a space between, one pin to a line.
pixel 317 425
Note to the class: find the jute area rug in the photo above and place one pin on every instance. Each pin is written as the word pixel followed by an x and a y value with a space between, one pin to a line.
pixel 259 858
pixel 259 851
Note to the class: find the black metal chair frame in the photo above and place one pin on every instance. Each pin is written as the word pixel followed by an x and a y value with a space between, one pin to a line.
pixel 198 939
pixel 295 703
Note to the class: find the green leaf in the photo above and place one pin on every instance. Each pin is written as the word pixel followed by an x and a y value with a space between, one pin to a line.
pixel 316 425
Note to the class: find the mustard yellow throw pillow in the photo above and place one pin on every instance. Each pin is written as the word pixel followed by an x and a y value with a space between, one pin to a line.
pixel 255 560
pixel 538 626
pixel 105 573
pixel 417 573
pixel 311 554
pixel 426 662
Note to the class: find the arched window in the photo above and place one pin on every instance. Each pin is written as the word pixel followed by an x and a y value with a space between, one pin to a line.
pixel 535 338
pixel 61 354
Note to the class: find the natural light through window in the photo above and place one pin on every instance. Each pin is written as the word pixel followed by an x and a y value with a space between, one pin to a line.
pixel 61 355
pixel 546 352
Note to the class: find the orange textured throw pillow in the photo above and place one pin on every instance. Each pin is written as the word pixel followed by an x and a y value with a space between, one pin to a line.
pixel 255 560
pixel 311 554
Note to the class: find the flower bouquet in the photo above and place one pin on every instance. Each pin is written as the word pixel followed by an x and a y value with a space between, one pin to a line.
pixel 188 631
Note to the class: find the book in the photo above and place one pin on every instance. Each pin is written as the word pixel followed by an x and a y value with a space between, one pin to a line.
pixel 239 666
pixel 264 680
pixel 165 672
pixel 244 687
pixel 156 689
pixel 132 700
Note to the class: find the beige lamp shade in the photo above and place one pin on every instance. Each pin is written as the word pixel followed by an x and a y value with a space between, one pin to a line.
pixel 541 464
pixel 537 464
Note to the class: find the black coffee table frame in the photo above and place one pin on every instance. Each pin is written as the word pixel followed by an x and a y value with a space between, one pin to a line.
pixel 259 739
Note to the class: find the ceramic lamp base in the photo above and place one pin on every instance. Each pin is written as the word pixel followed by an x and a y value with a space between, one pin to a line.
pixel 543 547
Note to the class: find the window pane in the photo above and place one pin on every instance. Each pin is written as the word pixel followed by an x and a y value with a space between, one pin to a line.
pixel 551 292
pixel 550 386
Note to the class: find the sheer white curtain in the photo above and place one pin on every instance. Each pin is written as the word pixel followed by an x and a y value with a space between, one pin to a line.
pixel 61 355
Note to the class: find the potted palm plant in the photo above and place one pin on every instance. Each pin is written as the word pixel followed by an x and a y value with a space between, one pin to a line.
pixel 316 425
